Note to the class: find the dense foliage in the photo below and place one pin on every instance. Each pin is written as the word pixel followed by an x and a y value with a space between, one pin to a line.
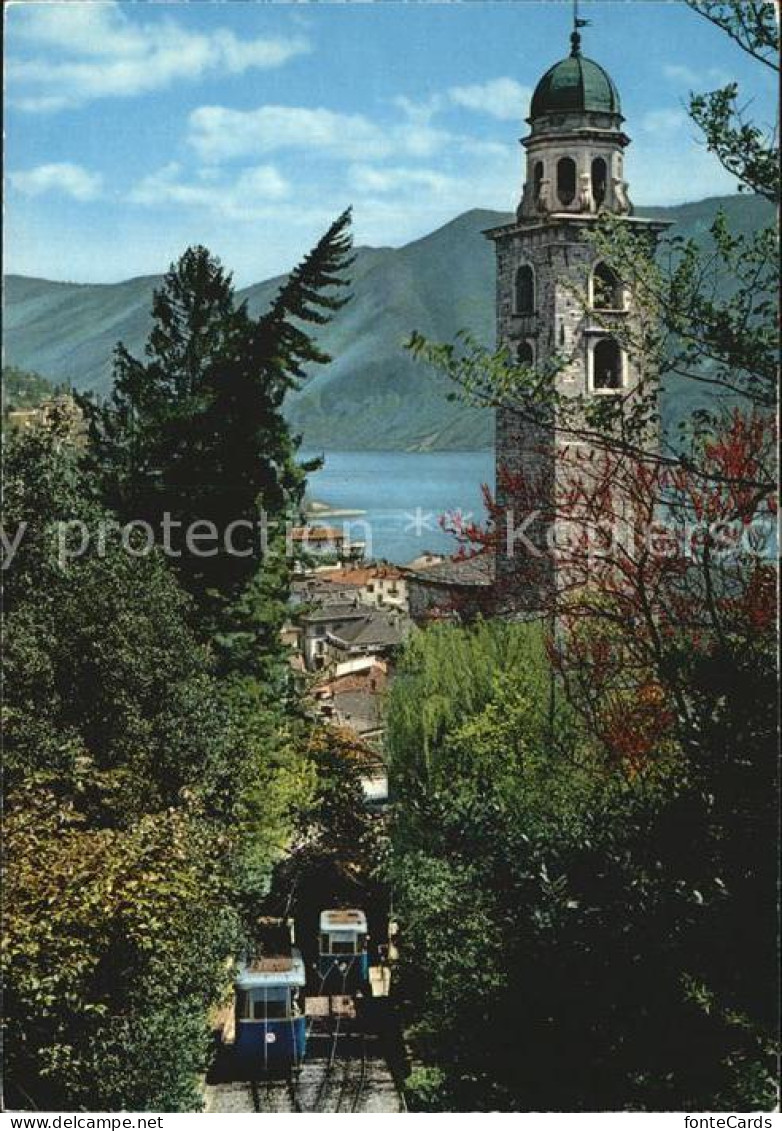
pixel 116 787
pixel 337 852
pixel 589 910
pixel 569 925
pixel 154 775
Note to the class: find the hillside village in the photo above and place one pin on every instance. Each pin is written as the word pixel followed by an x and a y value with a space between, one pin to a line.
pixel 349 619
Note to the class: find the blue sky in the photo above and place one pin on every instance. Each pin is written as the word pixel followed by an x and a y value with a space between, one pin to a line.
pixel 135 129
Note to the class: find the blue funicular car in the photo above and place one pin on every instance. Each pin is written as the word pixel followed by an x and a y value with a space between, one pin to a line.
pixel 271 1032
pixel 343 961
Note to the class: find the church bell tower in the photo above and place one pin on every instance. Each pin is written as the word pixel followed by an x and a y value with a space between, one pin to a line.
pixel 557 301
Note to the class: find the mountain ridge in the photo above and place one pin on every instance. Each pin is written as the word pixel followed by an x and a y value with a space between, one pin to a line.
pixel 372 396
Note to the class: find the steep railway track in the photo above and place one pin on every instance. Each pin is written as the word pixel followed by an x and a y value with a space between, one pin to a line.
pixel 275 1096
pixel 345 1074
pixel 345 1070
pixel 355 1078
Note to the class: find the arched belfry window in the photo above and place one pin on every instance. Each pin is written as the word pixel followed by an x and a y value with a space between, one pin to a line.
pixel 525 290
pixel 525 354
pixel 607 291
pixel 607 365
pixel 566 180
pixel 537 179
pixel 599 180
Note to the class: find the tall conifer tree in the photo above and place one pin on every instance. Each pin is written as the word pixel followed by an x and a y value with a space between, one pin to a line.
pixel 194 434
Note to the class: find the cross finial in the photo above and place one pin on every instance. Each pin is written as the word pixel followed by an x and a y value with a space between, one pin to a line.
pixel 575 37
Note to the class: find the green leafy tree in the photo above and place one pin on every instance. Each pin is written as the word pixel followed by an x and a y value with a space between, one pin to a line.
pixel 745 149
pixel 339 847
pixel 103 674
pixel 112 952
pixel 562 916
pixel 158 797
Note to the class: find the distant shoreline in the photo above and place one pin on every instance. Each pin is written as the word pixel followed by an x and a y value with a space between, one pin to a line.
pixel 315 508
pixel 308 452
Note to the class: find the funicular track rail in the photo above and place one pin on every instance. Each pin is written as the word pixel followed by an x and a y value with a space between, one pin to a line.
pixel 270 1095
pixel 357 1084
pixel 342 1073
pixel 346 1073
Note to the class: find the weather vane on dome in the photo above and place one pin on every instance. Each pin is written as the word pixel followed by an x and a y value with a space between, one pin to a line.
pixel 575 37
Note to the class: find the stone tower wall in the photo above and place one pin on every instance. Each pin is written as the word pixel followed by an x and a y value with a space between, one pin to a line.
pixel 562 261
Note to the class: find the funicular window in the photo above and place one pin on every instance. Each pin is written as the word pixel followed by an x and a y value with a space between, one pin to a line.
pixel 525 290
pixel 271 1004
pixel 606 289
pixel 525 355
pixel 599 180
pixel 343 948
pixel 607 361
pixel 566 180
pixel 537 179
pixel 343 942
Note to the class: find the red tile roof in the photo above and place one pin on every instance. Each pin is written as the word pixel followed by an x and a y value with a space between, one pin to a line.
pixel 356 681
pixel 363 574
pixel 317 534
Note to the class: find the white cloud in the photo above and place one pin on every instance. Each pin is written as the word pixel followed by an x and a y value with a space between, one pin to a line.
pixel 218 133
pixel 64 179
pixel 502 98
pixel 263 180
pixel 666 121
pixel 90 51
pixel 420 112
pixel 245 197
pixel 392 202
pixel 682 74
pixel 371 179
pixel 42 104
pixel 666 174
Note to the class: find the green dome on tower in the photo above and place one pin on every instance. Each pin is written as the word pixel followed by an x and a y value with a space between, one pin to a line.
pixel 575 84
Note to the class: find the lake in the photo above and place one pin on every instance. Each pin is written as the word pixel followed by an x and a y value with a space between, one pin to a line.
pixel 403 495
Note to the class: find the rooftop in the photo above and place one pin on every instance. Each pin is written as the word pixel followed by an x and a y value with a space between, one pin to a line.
pixel 272 960
pixel 359 710
pixel 372 679
pixel 317 534
pixel 425 561
pixel 575 84
pixel 362 574
pixel 336 611
pixel 306 589
pixel 375 628
pixel 343 920
pixel 278 965
pixel 477 570
pixel 272 971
